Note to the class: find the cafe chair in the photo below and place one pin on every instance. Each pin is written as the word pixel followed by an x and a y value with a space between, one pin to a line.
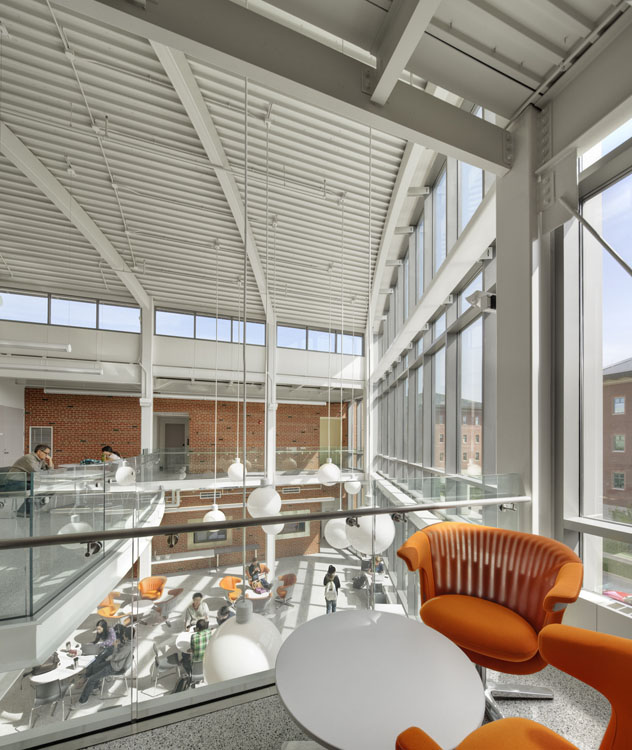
pixel 602 661
pixel 50 693
pixel 491 591
pixel 230 585
pixel 124 674
pixel 161 666
pixel 285 590
pixel 166 607
pixel 265 572
pixel 152 587
pixel 197 673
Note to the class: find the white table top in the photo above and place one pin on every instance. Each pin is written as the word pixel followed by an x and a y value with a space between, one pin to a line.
pixel 183 640
pixel 65 670
pixel 379 673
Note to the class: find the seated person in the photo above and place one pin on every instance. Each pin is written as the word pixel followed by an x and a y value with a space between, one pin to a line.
pixel 114 663
pixel 39 460
pixel 379 565
pixel 224 613
pixel 199 641
pixel 195 611
pixel 256 576
pixel 108 454
pixel 105 635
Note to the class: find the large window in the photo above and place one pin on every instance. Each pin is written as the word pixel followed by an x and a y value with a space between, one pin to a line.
pixel 440 221
pixel 71 312
pixel 291 337
pixel 471 397
pixel 420 259
pixel 26 308
pixel 405 288
pixel 470 192
pixel 419 410
pixel 119 318
pixel 438 408
pixel 175 324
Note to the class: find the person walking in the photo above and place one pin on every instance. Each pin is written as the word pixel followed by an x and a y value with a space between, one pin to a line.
pixel 332 585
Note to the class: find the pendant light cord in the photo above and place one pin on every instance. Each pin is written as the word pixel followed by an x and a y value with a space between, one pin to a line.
pixel 216 358
pixel 342 326
pixel 243 336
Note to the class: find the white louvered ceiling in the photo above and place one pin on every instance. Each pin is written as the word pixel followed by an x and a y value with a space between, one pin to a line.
pixel 309 173
pixel 170 199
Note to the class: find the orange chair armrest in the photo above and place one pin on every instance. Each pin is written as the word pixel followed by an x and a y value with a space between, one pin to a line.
pixel 412 551
pixel 566 587
pixel 414 738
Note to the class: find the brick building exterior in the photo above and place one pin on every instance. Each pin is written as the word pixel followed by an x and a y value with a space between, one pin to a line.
pixel 617 438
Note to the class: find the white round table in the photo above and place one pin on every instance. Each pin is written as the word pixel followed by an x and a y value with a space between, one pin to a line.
pixel 183 640
pixel 65 670
pixel 356 679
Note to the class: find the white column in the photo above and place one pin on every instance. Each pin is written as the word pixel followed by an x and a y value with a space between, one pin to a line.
pixel 270 429
pixel 516 238
pixel 147 378
pixel 144 562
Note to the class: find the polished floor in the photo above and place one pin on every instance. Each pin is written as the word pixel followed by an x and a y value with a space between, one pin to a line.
pixel 577 712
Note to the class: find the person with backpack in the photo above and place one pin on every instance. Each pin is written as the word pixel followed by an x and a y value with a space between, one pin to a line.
pixel 332 585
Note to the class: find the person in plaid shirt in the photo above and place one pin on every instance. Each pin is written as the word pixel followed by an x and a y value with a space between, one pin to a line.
pixel 199 639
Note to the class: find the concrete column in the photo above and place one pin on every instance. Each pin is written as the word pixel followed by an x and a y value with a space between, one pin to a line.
pixel 147 379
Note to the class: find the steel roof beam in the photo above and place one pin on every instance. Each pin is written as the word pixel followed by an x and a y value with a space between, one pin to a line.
pixel 234 39
pixel 181 76
pixel 401 33
pixel 30 166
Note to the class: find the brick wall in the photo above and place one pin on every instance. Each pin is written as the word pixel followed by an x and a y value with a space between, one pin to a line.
pixel 83 424
pixel 289 547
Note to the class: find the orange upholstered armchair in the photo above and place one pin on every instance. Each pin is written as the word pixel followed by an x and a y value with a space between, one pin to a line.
pixel 602 661
pixel 231 584
pixel 152 587
pixel 284 591
pixel 491 591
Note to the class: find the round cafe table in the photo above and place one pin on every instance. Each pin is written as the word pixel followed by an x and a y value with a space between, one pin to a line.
pixel 65 670
pixel 354 680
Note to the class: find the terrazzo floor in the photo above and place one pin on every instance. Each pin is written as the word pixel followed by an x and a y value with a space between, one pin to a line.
pixel 577 712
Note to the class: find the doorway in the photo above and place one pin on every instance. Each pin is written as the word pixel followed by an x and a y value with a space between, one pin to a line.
pixel 330 439
pixel 173 442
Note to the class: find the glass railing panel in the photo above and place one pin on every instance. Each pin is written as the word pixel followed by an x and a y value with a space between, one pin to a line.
pixel 305 460
pixel 15 565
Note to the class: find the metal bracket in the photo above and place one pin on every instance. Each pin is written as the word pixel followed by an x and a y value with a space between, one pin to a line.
pixel 368 81
pixel 545 135
pixel 546 190
pixel 508 148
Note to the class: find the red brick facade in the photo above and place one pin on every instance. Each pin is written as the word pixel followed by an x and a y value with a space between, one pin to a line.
pixel 83 424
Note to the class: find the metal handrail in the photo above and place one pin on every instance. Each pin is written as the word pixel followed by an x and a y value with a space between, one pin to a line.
pixel 241 523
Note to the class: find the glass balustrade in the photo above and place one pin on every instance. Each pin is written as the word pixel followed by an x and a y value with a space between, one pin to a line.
pixel 144 587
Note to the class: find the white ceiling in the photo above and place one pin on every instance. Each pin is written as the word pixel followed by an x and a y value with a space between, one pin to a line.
pixel 314 179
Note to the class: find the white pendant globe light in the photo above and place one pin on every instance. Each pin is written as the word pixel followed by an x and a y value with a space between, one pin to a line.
pixel 336 533
pixel 125 475
pixel 352 487
pixel 214 514
pixel 264 501
pixel 361 536
pixel 328 473
pixel 241 648
pixel 236 471
pixel 273 528
pixel 74 527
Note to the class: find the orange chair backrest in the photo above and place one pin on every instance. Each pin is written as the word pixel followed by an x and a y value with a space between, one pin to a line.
pixel 602 661
pixel 289 579
pixel 152 583
pixel 510 568
pixel 107 602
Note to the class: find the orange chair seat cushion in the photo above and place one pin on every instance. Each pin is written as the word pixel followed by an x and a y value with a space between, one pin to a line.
pixel 517 734
pixel 229 583
pixel 481 626
pixel 282 592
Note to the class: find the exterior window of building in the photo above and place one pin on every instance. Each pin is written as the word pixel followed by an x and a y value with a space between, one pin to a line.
pixel 255 332
pixel 72 312
pixel 440 224
pixel 348 343
pixel 321 341
pixel 618 443
pixel 476 285
pixel 477 456
pixel 464 456
pixel 441 436
pixel 420 258
pixel 291 338
pixel 618 405
pixel 206 328
pixel 174 324
pixel 471 390
pixel 27 308
pixel 618 480
pixel 438 327
pixel 470 192
pixel 405 288
pixel 438 405
pixel 119 318
pixel 608 144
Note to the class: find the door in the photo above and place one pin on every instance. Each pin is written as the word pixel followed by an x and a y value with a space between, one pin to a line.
pixel 330 439
pixel 173 442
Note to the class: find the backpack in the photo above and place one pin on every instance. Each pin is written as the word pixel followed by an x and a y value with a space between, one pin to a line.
pixel 330 592
pixel 184 683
